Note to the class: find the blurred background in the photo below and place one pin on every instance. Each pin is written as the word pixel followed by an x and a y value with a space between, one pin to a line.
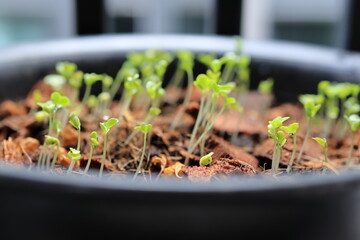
pixel 321 22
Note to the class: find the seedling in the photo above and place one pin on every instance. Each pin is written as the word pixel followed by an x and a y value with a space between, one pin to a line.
pixel 94 144
pixel 291 129
pixel 89 79
pixel 206 160
pixel 354 124
pixel 105 127
pixel 204 84
pixel 52 141
pixel 74 155
pixel 132 87
pixel 186 64
pixel 75 122
pixel 243 73
pixel 324 145
pixel 279 138
pixel 266 87
pixel 311 109
pixel 145 129
pixel 55 81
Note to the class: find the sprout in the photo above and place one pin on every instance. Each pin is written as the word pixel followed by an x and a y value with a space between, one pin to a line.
pixel 52 141
pixel 145 129
pixel 107 81
pixel 324 145
pixel 206 160
pixel 312 104
pixel 132 87
pixel 89 79
pixel 75 81
pixel 354 123
pixel 278 136
pixel 74 155
pixel 94 144
pixel 55 81
pixel 291 129
pixel 105 127
pixel 66 69
pixel 186 64
pixel 75 122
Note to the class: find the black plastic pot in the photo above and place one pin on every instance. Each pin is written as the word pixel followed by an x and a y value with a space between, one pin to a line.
pixel 36 206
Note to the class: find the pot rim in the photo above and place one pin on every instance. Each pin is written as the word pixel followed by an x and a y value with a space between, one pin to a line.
pixel 291 53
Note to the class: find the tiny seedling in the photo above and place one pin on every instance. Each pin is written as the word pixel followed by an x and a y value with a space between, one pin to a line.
pixel 311 108
pixel 354 124
pixel 324 145
pixel 105 127
pixel 132 87
pixel 204 84
pixel 145 129
pixel 186 64
pixel 291 129
pixel 279 138
pixel 75 122
pixel 52 141
pixel 74 155
pixel 94 144
pixel 55 81
pixel 206 160
pixel 89 79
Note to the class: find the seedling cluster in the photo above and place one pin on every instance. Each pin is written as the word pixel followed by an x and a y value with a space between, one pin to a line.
pixel 140 85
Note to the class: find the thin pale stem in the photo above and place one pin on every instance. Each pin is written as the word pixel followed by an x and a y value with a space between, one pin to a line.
pixel 291 162
pixel 116 85
pixel 54 160
pixel 79 140
pixel 326 159
pixel 89 161
pixel 207 129
pixel 103 156
pixel 86 97
pixel 186 100
pixel 125 106
pixel 141 158
pixel 274 159
pixel 72 164
pixel 308 130
pixel 193 134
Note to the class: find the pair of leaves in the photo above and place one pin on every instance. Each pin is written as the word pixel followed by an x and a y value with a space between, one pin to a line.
pixel 91 78
pixel 291 129
pixel 321 141
pixel 106 126
pixel 75 121
pixel 204 83
pixel 354 122
pixel 144 128
pixel 56 101
pixel 94 139
pixel 154 90
pixel 74 154
pixel 274 131
pixel 132 85
pixel 51 140
pixel 311 109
